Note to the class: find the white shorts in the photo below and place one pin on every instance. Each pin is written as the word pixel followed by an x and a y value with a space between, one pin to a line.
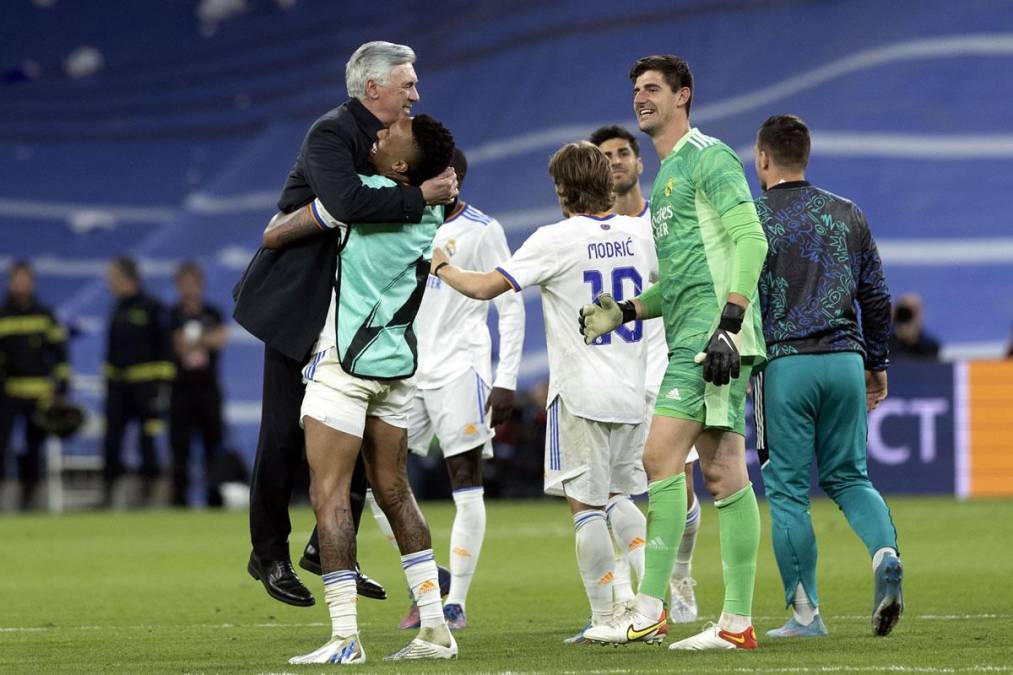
pixel 652 398
pixel 343 401
pixel 455 414
pixel 588 460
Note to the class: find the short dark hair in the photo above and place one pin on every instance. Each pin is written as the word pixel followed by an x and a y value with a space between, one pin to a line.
pixel 460 164
pixel 191 267
pixel 673 68
pixel 786 139
pixel 602 134
pixel 583 178
pixel 21 265
pixel 128 267
pixel 436 149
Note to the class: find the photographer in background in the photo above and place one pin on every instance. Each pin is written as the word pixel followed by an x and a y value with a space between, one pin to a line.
pixel 197 336
pixel 909 341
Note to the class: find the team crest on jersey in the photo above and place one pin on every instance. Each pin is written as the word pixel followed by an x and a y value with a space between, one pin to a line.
pixel 669 185
pixel 606 226
pixel 451 246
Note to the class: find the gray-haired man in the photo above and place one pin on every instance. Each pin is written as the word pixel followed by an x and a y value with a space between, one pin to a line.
pixel 284 295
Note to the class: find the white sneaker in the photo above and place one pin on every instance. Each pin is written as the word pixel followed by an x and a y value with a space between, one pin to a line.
pixel 683 609
pixel 430 643
pixel 630 626
pixel 340 650
pixel 714 637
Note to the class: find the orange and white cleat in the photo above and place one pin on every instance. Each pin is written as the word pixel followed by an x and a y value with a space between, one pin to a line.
pixel 715 637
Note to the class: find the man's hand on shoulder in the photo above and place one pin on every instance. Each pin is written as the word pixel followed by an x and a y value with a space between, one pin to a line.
pixel 442 189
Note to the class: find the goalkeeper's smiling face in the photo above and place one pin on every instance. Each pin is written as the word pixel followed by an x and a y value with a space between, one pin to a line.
pixel 395 150
pixel 655 103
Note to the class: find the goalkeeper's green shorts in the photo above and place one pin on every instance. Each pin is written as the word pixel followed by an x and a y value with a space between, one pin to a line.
pixel 685 395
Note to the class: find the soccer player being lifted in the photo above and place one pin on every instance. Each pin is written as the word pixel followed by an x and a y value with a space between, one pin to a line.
pixel 453 401
pixel 596 400
pixel 358 394
pixel 623 152
pixel 710 250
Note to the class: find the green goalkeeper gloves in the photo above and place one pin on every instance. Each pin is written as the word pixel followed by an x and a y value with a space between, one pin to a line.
pixel 603 316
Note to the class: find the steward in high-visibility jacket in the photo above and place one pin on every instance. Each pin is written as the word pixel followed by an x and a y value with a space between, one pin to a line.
pixel 137 370
pixel 33 372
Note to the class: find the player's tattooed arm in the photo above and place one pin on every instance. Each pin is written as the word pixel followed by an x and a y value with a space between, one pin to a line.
pixel 288 228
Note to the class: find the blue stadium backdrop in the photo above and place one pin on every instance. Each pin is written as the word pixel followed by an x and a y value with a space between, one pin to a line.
pixel 177 146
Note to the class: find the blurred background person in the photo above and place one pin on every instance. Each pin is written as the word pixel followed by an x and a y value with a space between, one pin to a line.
pixel 138 370
pixel 34 373
pixel 198 335
pixel 909 339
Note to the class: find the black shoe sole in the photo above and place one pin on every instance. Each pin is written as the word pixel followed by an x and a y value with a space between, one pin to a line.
pixel 277 596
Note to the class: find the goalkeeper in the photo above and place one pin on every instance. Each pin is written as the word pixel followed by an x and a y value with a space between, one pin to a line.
pixel 710 250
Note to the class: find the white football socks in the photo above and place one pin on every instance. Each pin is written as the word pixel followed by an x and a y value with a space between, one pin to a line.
pixel 466 538
pixel 877 558
pixel 684 555
pixel 423 580
pixel 339 592
pixel 802 609
pixel 629 527
pixel 734 623
pixel 595 561
pixel 622 585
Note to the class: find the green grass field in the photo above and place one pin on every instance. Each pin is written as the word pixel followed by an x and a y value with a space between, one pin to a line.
pixel 168 592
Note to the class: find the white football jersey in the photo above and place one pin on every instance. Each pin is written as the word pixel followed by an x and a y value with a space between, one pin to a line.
pixel 452 329
pixel 572 262
pixel 654 331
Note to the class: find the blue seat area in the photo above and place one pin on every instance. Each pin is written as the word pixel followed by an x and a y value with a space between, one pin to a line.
pixel 179 146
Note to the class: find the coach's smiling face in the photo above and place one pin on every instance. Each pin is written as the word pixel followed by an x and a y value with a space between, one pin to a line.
pixel 394 99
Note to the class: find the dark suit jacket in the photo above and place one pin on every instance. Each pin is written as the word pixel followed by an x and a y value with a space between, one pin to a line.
pixel 283 295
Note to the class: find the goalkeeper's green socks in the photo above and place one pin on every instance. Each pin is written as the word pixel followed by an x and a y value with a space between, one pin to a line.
pixel 739 522
pixel 666 518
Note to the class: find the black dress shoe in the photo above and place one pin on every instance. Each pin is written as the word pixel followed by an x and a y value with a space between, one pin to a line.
pixel 368 588
pixel 364 586
pixel 280 581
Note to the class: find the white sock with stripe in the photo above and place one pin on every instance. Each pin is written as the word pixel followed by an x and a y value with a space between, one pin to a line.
pixel 629 527
pixel 423 580
pixel 684 555
pixel 466 538
pixel 339 592
pixel 381 518
pixel 595 559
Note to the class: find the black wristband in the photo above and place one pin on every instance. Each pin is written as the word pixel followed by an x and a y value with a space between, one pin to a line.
pixel 731 318
pixel 629 311
pixel 436 272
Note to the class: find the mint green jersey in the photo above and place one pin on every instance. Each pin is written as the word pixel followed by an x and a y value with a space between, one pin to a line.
pixel 700 180
pixel 382 273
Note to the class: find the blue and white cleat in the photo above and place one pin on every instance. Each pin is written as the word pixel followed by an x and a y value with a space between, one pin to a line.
pixel 339 650
pixel 888 604
pixel 579 638
pixel 453 614
pixel 430 643
pixel 794 629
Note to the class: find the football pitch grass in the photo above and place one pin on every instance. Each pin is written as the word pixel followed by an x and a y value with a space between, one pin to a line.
pixel 153 592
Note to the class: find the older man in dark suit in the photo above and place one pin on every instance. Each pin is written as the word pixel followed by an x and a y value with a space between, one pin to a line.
pixel 283 297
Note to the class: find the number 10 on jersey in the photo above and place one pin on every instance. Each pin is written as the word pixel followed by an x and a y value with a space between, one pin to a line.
pixel 627 332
